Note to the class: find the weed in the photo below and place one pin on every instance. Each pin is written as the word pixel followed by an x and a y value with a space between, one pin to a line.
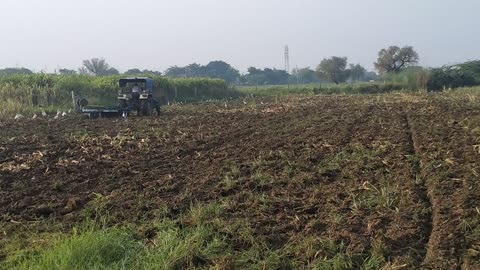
pixel 337 218
pixel 57 185
pixel 258 162
pixel 290 169
pixel 229 182
pixel 201 214
pixel 231 177
pixel 235 171
pixel 262 179
pixel 98 208
pixel 386 197
pixel 415 161
pixel 378 248
pixel 335 256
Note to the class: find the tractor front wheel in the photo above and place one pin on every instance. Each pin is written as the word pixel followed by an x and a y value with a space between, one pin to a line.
pixel 146 107
pixel 157 108
pixel 93 115
pixel 122 104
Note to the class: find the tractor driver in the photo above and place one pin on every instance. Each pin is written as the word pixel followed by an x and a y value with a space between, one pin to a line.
pixel 136 88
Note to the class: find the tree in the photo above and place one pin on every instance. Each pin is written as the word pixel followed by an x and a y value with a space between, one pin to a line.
pixel 151 72
pixel 255 76
pixel 333 69
pixel 97 67
pixel 370 76
pixel 12 71
pixel 276 76
pixel 221 70
pixel 195 70
pixel 266 76
pixel 133 71
pixel 356 72
pixel 176 72
pixel 214 69
pixel 111 71
pixel 83 71
pixel 304 75
pixel 394 59
pixel 64 71
pixel 145 72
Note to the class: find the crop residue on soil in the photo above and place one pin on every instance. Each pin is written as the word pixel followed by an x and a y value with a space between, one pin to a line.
pixel 362 170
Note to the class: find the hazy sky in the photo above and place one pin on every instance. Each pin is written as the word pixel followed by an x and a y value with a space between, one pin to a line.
pixel 52 34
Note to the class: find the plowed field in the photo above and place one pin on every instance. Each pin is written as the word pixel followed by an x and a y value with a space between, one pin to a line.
pixel 396 175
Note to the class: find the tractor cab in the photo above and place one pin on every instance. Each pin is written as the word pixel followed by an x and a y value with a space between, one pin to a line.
pixel 140 88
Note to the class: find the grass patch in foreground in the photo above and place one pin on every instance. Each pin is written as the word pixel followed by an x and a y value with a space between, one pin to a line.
pixel 198 239
pixel 90 247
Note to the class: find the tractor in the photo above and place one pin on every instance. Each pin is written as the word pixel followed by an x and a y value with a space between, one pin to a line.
pixel 135 95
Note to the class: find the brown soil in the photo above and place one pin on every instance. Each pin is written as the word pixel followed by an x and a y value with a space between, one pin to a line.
pixel 371 171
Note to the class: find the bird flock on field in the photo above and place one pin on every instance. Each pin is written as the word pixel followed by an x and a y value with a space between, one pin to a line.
pixel 60 114
pixel 44 115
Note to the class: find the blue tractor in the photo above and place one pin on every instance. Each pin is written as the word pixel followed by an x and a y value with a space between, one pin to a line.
pixel 135 95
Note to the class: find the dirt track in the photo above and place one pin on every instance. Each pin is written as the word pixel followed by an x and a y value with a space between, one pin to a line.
pixel 392 173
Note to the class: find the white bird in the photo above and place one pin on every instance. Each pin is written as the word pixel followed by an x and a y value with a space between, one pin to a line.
pixel 64 114
pixel 34 116
pixel 44 114
pixel 226 104
pixel 56 117
pixel 244 102
pixel 69 111
pixel 58 113
pixel 18 116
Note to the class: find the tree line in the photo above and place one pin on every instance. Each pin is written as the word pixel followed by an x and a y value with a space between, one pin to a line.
pixel 392 62
pixel 214 69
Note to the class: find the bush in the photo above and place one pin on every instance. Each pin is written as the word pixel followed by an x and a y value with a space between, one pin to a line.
pixel 193 89
pixel 463 75
pixel 411 78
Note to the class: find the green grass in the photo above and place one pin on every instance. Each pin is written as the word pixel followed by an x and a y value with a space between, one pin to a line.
pixel 280 90
pixel 325 89
pixel 89 247
pixel 201 238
